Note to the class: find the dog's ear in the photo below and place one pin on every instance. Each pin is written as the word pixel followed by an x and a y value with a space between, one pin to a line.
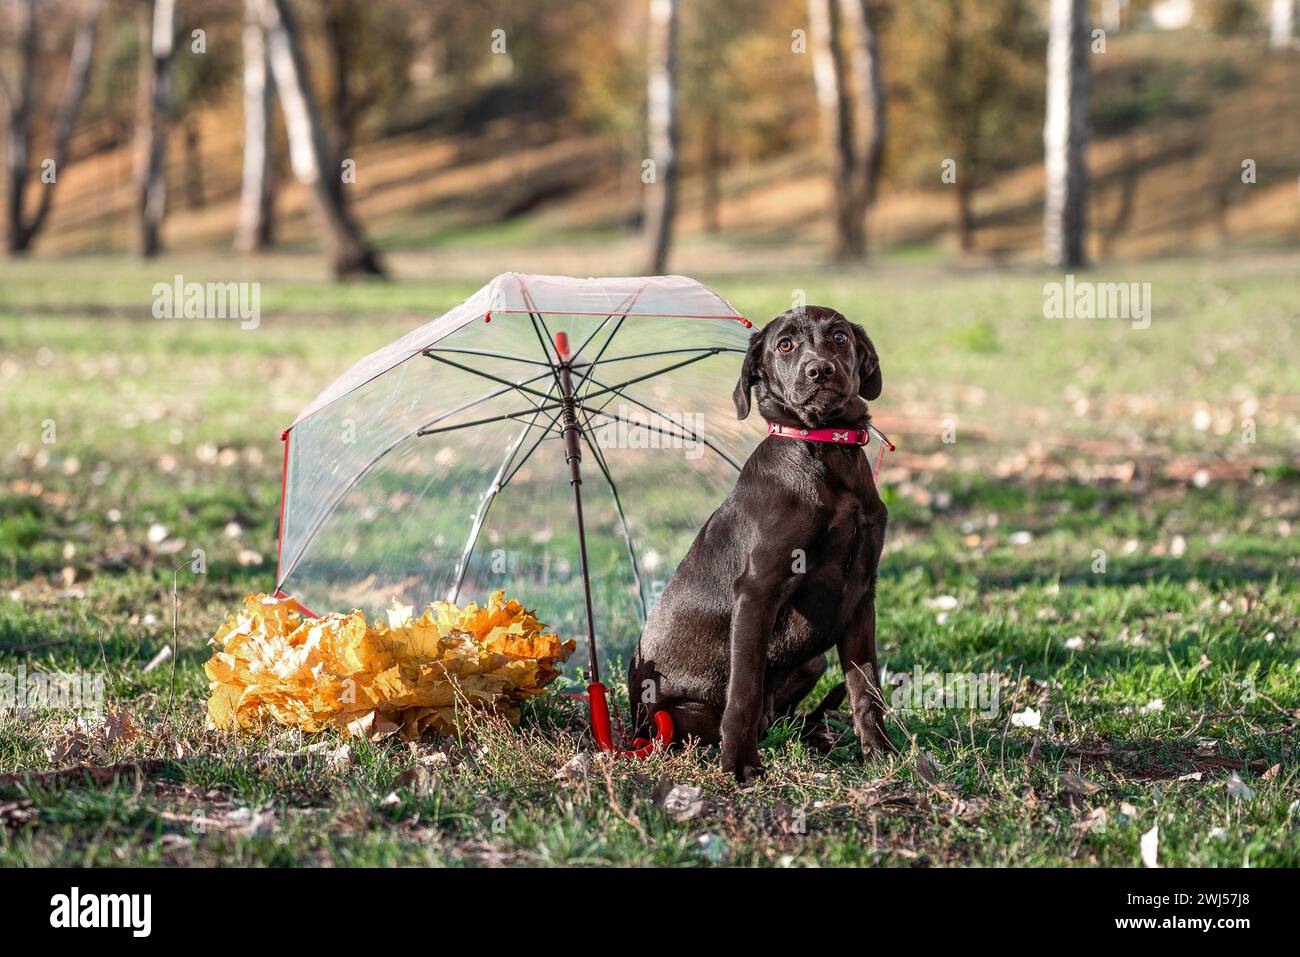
pixel 869 381
pixel 749 372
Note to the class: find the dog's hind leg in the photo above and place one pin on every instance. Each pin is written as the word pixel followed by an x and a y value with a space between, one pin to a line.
pixel 694 719
pixel 834 698
pixel 797 687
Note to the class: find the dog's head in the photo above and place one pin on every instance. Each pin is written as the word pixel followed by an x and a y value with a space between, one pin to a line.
pixel 810 364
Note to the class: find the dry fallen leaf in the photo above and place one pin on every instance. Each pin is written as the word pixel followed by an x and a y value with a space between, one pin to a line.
pixel 272 662
pixel 418 779
pixel 86 739
pixel 576 768
pixel 70 746
pixel 336 758
pixel 1079 786
pixel 681 802
pixel 116 727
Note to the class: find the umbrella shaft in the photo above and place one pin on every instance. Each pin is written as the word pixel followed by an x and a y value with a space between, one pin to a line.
pixel 573 457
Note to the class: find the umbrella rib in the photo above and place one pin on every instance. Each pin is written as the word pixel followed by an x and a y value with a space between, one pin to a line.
pixel 497 485
pixel 701 352
pixel 586 375
pixel 618 504
pixel 503 417
pixel 536 318
pixel 546 434
pixel 690 433
pixel 519 387
pixel 649 408
pixel 315 529
pixel 677 435
pixel 710 350
pixel 642 425
pixel 621 311
pixel 488 353
pixel 648 375
pixel 594 333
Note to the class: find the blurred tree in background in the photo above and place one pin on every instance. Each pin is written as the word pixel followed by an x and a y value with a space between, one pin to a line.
pixel 25 103
pixel 971 75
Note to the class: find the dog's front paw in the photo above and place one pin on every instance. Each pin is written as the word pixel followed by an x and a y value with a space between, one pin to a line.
pixel 821 738
pixel 743 764
pixel 874 741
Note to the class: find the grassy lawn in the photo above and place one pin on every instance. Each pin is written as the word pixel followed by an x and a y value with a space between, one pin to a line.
pixel 1102 517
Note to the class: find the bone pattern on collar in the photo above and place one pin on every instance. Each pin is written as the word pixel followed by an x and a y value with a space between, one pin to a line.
pixel 845 436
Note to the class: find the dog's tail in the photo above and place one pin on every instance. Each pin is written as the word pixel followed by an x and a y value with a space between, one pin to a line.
pixel 834 698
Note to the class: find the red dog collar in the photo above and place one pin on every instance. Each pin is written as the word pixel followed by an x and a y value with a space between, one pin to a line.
pixel 838 436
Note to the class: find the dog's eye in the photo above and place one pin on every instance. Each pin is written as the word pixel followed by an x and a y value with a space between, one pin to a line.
pixel 838 337
pixel 785 345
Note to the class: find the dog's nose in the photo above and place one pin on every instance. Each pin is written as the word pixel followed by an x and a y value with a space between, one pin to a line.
pixel 819 369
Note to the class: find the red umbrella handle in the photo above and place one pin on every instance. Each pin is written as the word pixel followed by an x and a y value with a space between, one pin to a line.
pixel 602 732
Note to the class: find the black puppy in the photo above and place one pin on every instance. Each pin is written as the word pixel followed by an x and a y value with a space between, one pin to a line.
pixel 785 569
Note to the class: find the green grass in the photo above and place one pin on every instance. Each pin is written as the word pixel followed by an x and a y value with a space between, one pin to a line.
pixel 176 423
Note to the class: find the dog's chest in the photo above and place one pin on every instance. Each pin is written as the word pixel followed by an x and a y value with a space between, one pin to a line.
pixel 838 575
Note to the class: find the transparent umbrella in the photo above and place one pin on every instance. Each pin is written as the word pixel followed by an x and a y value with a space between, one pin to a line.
pixel 563 439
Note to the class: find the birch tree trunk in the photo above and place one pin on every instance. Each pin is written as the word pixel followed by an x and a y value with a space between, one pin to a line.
pixel 18 132
pixel 256 199
pixel 22 232
pixel 1281 24
pixel 340 22
pixel 153 126
pixel 836 120
pixel 661 121
pixel 1065 132
pixel 309 152
pixel 869 116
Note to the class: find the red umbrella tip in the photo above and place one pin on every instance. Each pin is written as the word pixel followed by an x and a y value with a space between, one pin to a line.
pixel 562 344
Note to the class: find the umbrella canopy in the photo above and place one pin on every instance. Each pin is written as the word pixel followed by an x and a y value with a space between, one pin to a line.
pixel 436 468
